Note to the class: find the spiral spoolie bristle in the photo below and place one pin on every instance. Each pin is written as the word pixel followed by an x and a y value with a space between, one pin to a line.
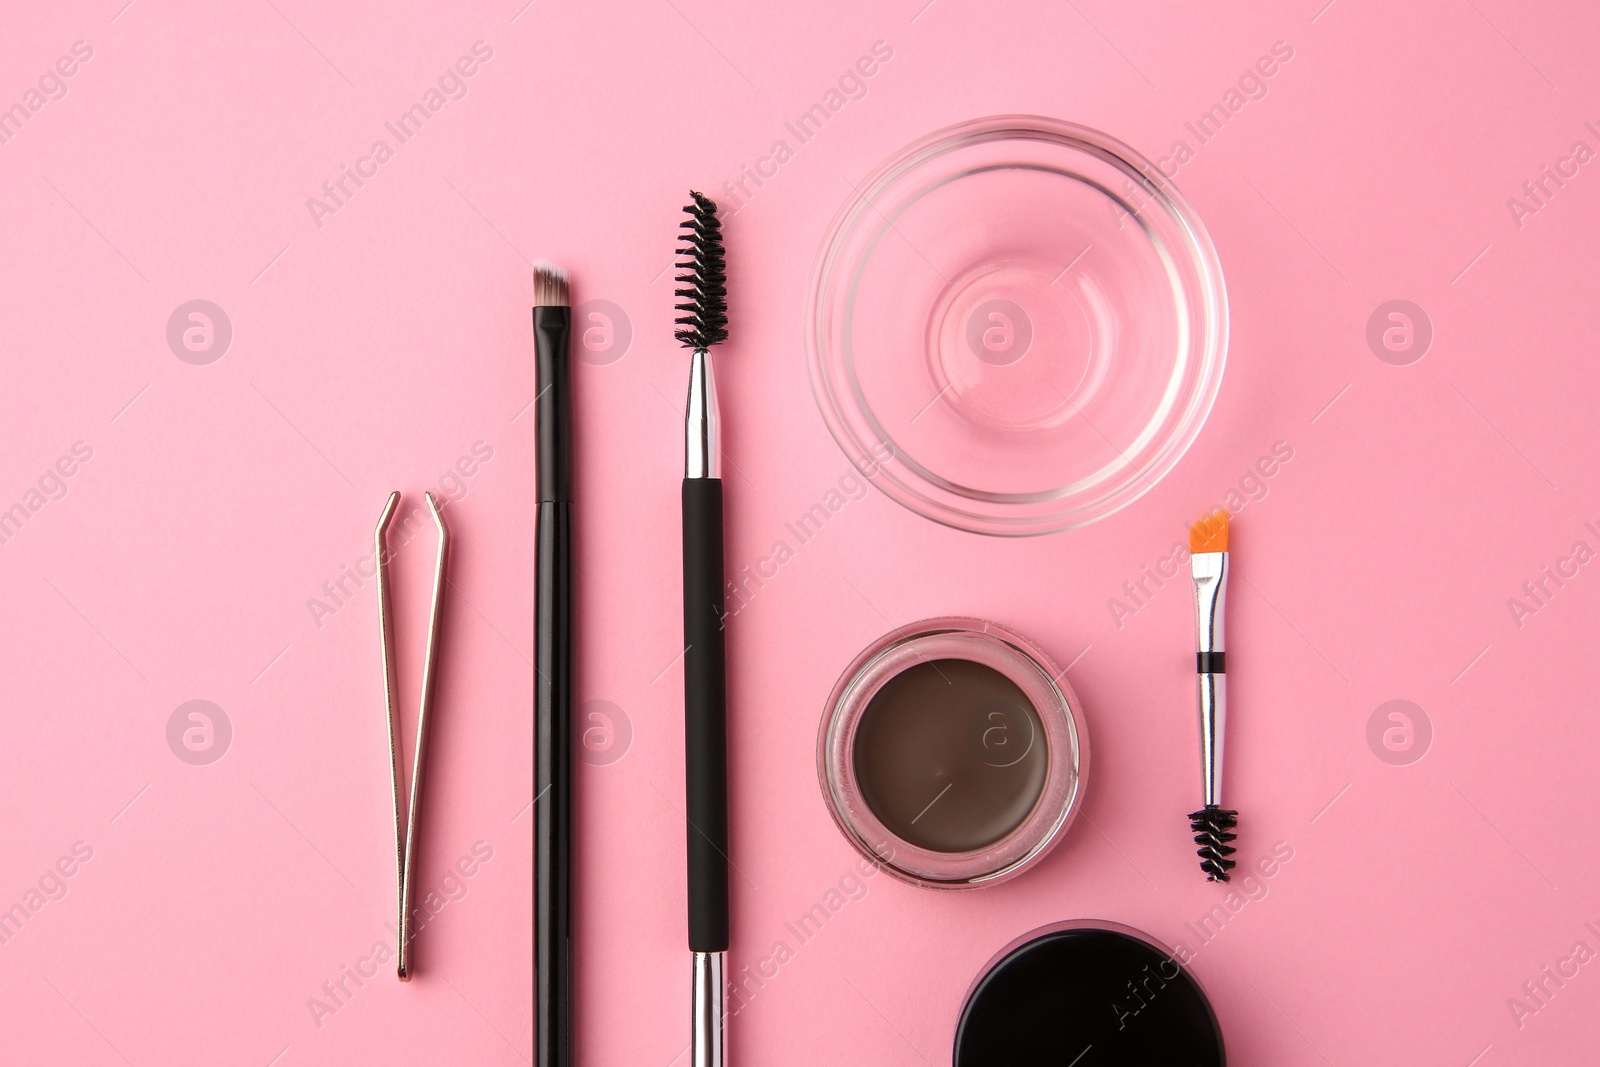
pixel 1213 829
pixel 705 277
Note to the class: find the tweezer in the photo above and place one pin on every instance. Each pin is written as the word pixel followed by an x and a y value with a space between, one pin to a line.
pixel 405 825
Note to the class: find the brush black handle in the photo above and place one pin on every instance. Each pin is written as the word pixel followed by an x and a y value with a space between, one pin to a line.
pixel 552 686
pixel 552 819
pixel 705 715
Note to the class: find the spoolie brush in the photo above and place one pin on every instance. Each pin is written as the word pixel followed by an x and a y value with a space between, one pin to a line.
pixel 705 273
pixel 704 324
pixel 1213 829
pixel 1213 824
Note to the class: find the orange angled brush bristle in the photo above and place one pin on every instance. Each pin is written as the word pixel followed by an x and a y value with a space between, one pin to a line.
pixel 1210 534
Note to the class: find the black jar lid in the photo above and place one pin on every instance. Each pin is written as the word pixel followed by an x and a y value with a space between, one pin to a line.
pixel 1088 994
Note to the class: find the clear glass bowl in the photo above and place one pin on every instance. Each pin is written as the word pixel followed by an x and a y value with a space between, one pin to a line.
pixel 1017 326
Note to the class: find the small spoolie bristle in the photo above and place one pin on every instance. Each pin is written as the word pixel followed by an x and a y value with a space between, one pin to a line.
pixel 1213 830
pixel 549 286
pixel 705 277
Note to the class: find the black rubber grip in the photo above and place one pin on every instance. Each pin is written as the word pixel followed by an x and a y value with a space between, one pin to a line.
pixel 1211 662
pixel 705 715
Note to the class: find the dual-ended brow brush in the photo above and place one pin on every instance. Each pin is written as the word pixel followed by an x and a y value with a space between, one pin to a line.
pixel 703 325
pixel 1213 824
pixel 552 681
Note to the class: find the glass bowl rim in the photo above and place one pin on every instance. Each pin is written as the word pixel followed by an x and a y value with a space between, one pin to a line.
pixel 1209 346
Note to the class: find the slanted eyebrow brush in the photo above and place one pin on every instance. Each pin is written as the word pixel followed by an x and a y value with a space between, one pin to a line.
pixel 703 325
pixel 1213 825
pixel 552 682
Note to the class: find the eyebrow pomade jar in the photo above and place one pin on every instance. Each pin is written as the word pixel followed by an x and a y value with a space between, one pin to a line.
pixel 952 753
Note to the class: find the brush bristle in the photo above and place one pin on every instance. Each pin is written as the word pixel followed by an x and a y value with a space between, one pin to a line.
pixel 1213 830
pixel 549 286
pixel 1210 534
pixel 705 276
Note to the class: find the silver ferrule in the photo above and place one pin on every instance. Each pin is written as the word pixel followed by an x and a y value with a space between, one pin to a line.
pixel 705 1037
pixel 1210 570
pixel 703 421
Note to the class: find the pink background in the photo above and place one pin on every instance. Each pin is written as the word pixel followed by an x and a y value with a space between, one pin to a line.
pixel 373 352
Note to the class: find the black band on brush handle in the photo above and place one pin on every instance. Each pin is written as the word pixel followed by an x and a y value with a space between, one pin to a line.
pixel 705 715
pixel 1211 662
